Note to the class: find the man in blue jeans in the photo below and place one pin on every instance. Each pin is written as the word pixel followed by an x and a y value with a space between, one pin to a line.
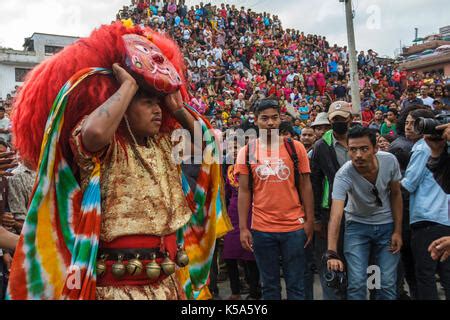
pixel 429 217
pixel 371 184
pixel 282 211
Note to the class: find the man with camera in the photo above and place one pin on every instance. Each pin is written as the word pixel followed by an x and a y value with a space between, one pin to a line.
pixel 439 161
pixel 329 154
pixel 373 216
pixel 429 207
pixel 439 165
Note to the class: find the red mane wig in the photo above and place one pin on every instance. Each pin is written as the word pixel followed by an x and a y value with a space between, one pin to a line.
pixel 102 49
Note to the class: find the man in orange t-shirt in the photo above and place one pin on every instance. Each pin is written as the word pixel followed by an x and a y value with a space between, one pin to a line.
pixel 283 215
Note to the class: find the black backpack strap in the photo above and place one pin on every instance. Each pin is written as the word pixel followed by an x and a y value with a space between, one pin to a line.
pixel 250 150
pixel 290 147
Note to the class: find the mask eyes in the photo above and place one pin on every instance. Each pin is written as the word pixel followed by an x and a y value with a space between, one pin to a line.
pixel 142 49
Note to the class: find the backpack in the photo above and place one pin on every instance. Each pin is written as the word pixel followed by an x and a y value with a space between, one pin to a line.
pixel 290 147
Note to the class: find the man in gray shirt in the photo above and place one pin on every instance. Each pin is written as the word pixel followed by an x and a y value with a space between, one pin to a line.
pixel 373 216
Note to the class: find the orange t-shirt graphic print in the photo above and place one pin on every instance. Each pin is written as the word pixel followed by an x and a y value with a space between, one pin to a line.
pixel 276 204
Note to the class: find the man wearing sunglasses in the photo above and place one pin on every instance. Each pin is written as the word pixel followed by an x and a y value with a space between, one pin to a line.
pixel 373 216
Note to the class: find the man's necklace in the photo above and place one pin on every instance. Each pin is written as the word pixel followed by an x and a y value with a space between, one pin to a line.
pixel 137 153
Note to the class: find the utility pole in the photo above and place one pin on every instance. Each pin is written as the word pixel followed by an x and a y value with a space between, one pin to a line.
pixel 354 77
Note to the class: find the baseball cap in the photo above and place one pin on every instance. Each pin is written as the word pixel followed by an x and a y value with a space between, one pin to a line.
pixel 340 108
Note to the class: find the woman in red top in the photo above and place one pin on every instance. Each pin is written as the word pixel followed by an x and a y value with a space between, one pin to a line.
pixel 320 81
pixel 272 90
pixel 367 114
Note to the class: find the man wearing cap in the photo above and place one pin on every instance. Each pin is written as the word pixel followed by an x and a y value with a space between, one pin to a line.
pixel 321 125
pixel 329 154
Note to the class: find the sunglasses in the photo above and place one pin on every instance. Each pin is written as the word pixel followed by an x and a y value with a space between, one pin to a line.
pixel 378 201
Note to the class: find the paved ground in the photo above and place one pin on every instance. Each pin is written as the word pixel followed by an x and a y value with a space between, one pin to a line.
pixel 225 291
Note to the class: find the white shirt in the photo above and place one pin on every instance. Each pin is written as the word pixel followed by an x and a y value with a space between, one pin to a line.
pixel 207 33
pixel 290 77
pixel 292 96
pixel 238 65
pixel 217 53
pixel 5 123
pixel 374 81
pixel 428 101
pixel 203 62
pixel 161 5
pixel 186 34
pixel 239 104
pixel 245 39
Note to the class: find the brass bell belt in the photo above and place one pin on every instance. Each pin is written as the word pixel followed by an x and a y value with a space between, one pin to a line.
pixel 129 254
pixel 152 260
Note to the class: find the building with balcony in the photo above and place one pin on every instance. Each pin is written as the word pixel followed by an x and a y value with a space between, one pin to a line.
pixel 15 64
pixel 431 55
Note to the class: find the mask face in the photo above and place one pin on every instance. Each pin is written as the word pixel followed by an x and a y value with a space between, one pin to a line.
pixel 148 65
pixel 340 127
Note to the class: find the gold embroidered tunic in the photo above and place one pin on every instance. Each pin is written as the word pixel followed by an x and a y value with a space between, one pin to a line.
pixel 137 202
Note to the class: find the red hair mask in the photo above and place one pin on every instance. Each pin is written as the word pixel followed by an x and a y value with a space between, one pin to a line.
pixel 148 65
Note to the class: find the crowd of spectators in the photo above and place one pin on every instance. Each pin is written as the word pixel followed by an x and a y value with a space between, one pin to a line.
pixel 235 56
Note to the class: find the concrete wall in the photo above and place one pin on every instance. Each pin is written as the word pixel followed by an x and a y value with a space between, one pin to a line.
pixel 12 59
pixel 436 62
pixel 9 61
pixel 7 80
pixel 42 40
pixel 445 67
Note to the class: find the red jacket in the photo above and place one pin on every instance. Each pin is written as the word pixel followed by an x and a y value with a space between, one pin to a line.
pixel 367 115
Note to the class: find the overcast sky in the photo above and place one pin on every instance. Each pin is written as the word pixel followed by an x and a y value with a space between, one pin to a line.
pixel 379 24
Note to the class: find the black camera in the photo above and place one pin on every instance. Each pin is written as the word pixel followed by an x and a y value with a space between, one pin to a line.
pixel 336 280
pixel 428 126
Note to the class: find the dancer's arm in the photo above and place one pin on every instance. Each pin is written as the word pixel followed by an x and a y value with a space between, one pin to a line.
pixel 100 126
pixel 8 240
pixel 174 103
